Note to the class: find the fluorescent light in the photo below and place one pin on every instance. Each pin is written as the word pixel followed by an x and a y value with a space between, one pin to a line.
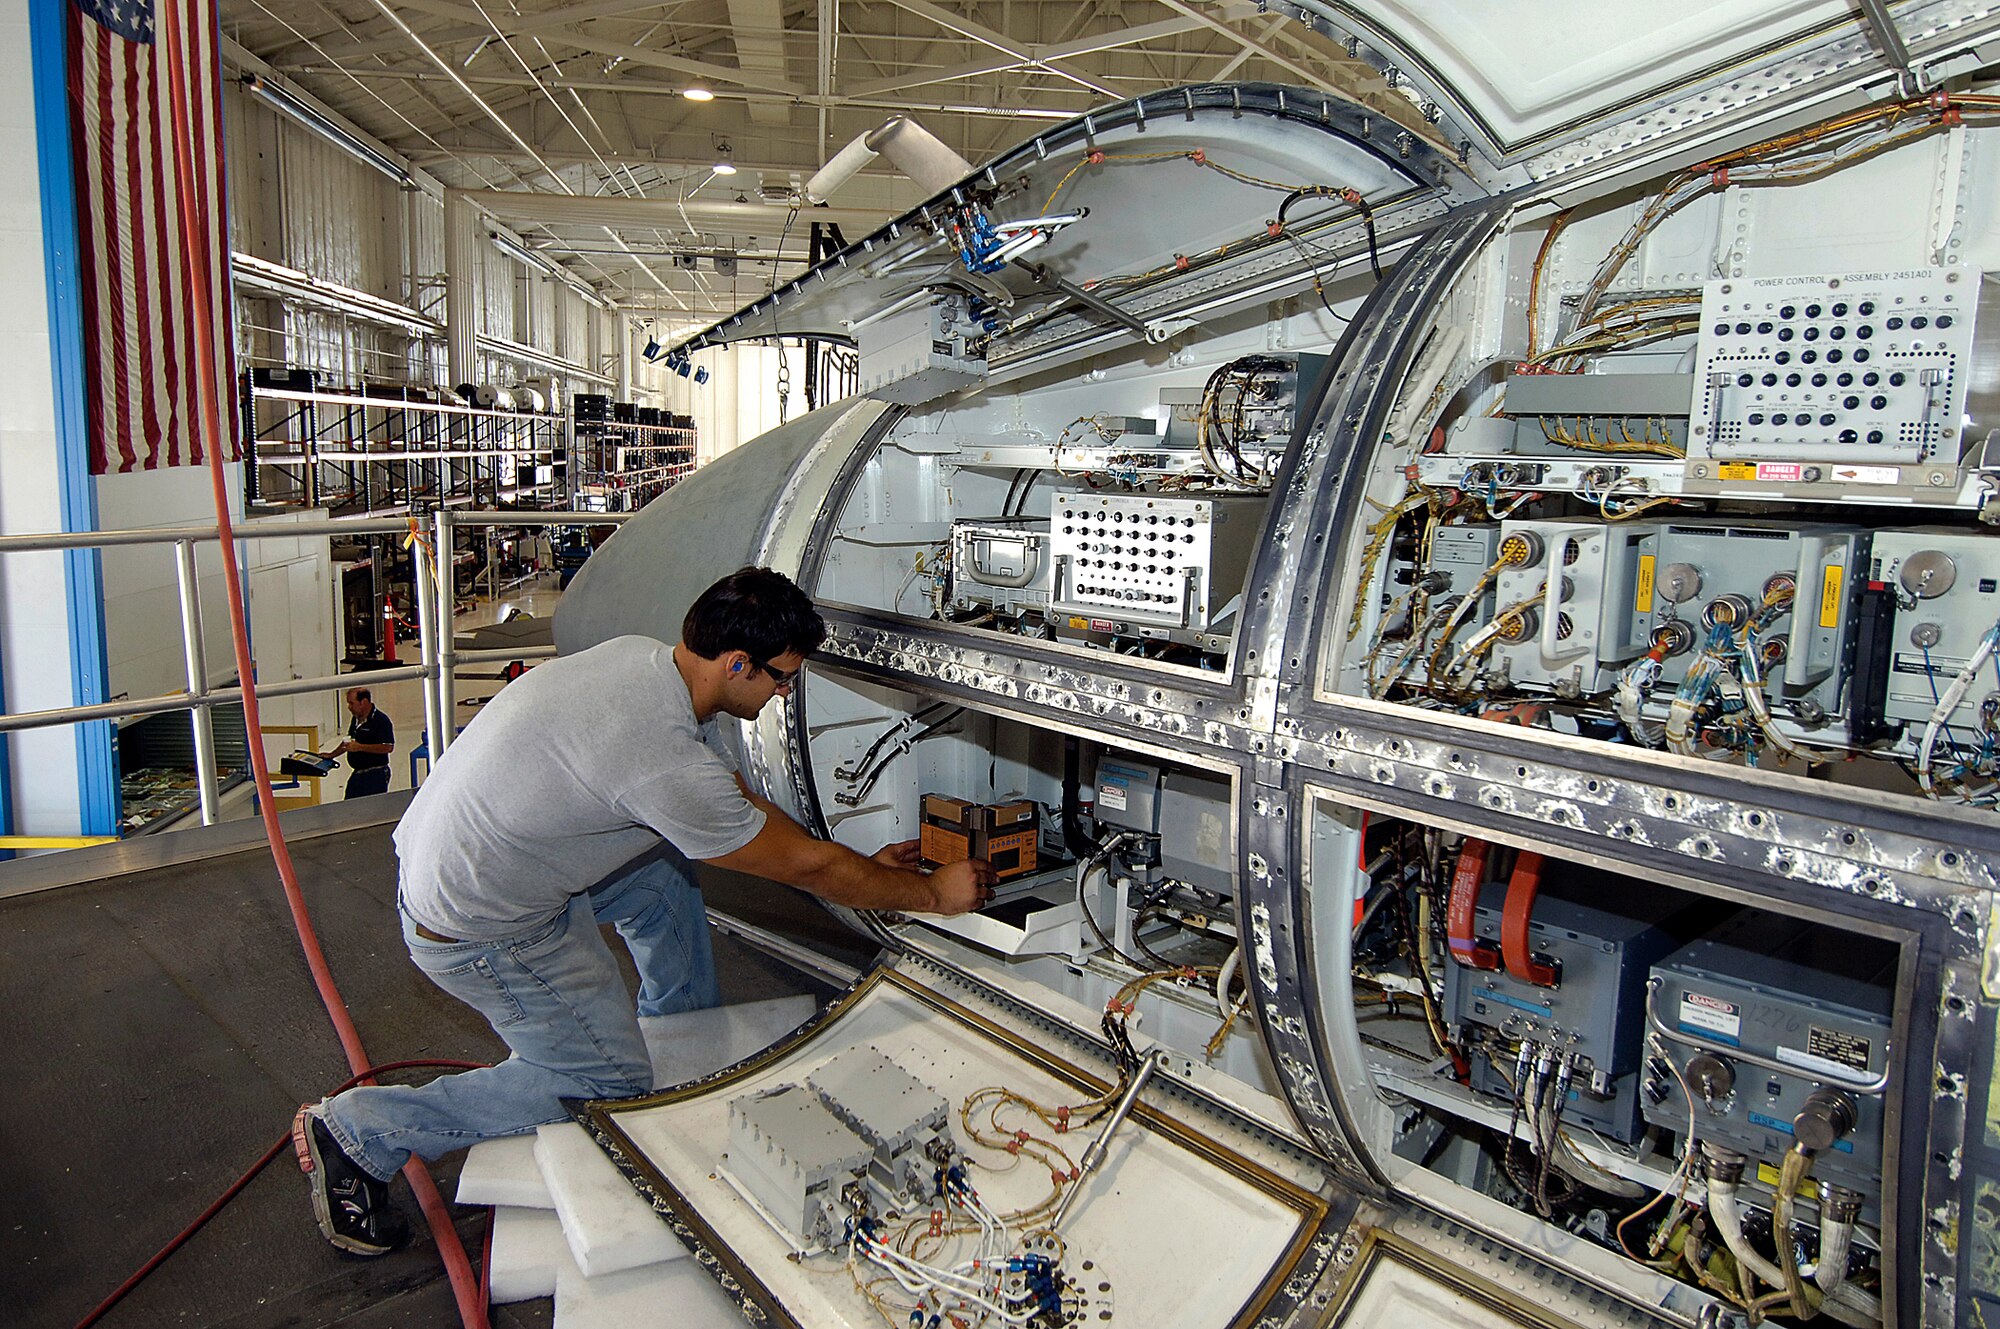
pixel 697 93
pixel 544 264
pixel 312 118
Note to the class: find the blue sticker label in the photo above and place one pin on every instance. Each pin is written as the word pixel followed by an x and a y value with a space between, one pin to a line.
pixel 1785 1127
pixel 1532 1008
pixel 1710 1035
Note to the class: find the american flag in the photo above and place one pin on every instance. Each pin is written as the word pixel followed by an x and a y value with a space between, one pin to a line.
pixel 139 326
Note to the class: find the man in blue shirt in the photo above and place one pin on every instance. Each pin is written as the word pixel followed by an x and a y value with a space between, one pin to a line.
pixel 370 739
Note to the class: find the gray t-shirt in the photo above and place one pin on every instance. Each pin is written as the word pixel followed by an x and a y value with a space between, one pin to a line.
pixel 574 770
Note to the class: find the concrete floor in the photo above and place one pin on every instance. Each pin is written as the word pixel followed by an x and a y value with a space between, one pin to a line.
pixel 162 1029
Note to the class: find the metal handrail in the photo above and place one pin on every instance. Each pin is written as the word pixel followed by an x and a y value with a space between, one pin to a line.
pixel 438 658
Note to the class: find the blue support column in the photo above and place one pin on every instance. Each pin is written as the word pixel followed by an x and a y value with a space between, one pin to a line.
pixel 97 742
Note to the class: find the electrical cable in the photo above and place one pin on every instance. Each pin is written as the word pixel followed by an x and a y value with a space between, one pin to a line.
pixel 195 222
pixel 221 1202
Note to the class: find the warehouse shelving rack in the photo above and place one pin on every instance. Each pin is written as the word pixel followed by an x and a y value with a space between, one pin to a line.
pixel 386 449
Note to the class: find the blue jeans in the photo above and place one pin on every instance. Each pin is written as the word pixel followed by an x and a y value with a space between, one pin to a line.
pixel 554 994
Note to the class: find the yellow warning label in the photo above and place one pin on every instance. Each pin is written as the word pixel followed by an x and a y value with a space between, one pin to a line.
pixel 1829 595
pixel 1808 1186
pixel 1736 470
pixel 1079 624
pixel 1642 597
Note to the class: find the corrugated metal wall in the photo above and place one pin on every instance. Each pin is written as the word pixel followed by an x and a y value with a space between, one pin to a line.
pixel 300 201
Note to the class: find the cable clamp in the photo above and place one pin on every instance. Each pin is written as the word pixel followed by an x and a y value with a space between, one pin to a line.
pixel 1719 177
pixel 1180 262
pixel 1273 229
pixel 1095 157
pixel 1198 157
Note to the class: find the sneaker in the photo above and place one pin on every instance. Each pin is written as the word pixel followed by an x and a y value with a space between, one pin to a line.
pixel 352 1207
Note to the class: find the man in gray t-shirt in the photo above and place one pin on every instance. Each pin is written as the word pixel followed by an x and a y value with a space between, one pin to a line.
pixel 578 797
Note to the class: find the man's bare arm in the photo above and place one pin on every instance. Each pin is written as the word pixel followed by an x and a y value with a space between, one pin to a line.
pixel 783 851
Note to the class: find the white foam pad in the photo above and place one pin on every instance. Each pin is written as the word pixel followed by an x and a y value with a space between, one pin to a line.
pixel 697 1043
pixel 609 1228
pixel 504 1172
pixel 680 1293
pixel 528 1249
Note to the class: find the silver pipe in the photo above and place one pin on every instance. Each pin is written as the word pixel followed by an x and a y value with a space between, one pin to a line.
pixel 411 454
pixel 1872 1087
pixel 196 652
pixel 163 535
pixel 447 656
pixel 299 687
pixel 1095 1154
pixel 496 654
pixel 180 701
pixel 424 572
pixel 541 518
pixel 329 526
pixel 799 957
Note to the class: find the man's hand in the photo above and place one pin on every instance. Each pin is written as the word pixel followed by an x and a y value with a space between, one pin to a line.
pixel 959 887
pixel 340 751
pixel 903 854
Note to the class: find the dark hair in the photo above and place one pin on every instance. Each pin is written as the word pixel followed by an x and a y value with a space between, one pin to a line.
pixel 363 694
pixel 756 611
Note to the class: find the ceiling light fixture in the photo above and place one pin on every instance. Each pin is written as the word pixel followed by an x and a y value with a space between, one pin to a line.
pixel 542 263
pixel 310 117
pixel 697 93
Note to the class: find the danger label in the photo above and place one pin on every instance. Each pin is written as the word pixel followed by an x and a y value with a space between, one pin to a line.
pixel 1837 1045
pixel 1780 471
pixel 1712 1015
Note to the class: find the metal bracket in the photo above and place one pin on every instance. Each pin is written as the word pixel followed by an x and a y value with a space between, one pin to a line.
pixel 1891 42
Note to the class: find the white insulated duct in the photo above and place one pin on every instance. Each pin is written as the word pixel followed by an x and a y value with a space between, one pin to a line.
pixel 910 148
pixel 462 230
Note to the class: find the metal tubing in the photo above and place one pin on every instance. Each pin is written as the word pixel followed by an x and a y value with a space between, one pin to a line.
pixel 1095 1154
pixel 123 710
pixel 293 530
pixel 447 655
pixel 541 518
pixel 1872 1087
pixel 424 572
pixel 494 655
pixel 802 958
pixel 196 653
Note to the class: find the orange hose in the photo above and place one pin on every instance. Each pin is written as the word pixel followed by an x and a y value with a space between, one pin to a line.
pixel 194 227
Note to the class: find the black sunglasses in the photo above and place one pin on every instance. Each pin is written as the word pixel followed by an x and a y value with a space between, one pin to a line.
pixel 781 678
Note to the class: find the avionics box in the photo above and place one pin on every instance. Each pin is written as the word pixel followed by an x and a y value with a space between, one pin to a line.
pixel 1004 834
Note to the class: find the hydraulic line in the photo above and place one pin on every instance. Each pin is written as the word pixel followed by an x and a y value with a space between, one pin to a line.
pixel 194 223
pixel 187 1233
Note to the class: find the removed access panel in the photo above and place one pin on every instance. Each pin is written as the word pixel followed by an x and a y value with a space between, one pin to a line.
pixel 1192 1219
